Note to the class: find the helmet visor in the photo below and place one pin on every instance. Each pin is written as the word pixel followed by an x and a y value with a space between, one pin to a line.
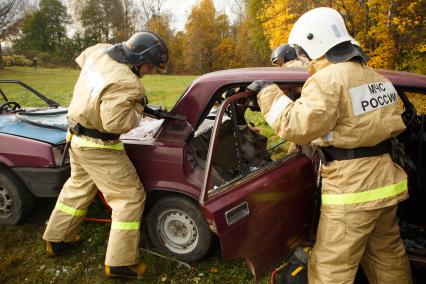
pixel 302 54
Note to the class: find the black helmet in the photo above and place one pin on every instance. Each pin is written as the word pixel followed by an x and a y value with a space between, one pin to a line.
pixel 284 51
pixel 141 48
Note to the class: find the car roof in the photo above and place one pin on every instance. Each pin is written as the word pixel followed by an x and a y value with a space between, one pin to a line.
pixel 195 99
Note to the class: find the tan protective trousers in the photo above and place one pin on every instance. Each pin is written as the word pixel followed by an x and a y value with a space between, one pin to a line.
pixel 345 239
pixel 114 175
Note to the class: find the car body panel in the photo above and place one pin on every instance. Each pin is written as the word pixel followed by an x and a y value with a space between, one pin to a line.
pixel 23 152
pixel 244 212
pixel 274 225
pixel 43 182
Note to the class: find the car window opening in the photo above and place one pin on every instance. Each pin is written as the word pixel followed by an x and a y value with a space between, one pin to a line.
pixel 243 146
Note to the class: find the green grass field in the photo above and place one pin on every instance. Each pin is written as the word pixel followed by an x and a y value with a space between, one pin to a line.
pixel 22 258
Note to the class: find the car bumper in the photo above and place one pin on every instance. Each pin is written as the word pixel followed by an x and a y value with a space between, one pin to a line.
pixel 44 182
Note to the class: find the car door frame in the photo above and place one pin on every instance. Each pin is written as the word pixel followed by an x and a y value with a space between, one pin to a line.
pixel 246 212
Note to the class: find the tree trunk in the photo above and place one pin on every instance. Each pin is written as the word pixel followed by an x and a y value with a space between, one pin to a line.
pixel 1 58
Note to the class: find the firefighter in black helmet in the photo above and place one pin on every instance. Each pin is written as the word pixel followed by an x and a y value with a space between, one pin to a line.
pixel 282 54
pixel 108 100
pixel 141 48
pixel 285 56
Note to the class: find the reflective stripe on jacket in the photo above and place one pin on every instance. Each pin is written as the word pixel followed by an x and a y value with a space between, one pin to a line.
pixel 346 105
pixel 88 142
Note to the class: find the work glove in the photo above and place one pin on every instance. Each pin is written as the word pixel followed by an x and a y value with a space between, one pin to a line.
pixel 144 100
pixel 258 85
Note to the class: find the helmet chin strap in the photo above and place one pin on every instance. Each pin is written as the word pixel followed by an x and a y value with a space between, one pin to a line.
pixel 135 70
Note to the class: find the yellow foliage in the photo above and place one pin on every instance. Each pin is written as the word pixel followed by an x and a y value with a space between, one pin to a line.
pixel 278 18
pixel 391 32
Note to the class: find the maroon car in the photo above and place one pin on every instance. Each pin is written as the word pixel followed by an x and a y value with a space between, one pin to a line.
pixel 214 169
pixel 214 174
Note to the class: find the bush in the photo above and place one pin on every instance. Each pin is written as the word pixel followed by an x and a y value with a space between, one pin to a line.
pixel 16 60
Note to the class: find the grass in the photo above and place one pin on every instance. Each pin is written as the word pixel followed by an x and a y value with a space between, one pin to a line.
pixel 22 258
pixel 58 84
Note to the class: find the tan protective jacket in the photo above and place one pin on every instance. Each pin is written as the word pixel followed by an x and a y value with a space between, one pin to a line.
pixel 297 64
pixel 345 105
pixel 107 94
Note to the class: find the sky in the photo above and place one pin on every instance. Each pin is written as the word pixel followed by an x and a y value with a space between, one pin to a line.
pixel 180 10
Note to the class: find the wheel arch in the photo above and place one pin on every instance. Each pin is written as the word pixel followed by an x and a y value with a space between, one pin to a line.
pixel 155 194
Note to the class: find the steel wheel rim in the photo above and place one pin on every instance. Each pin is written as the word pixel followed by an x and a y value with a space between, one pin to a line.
pixel 177 231
pixel 6 203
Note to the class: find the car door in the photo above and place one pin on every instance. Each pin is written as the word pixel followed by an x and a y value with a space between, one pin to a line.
pixel 263 214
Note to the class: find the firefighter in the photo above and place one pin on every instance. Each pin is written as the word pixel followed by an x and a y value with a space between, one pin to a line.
pixel 285 56
pixel 107 101
pixel 350 112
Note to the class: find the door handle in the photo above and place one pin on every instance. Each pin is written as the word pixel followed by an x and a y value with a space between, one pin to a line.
pixel 237 213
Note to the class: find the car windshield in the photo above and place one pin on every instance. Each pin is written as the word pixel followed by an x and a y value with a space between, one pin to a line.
pixel 20 95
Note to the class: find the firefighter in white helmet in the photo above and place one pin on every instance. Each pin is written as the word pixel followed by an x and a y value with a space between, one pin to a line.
pixel 350 112
pixel 108 100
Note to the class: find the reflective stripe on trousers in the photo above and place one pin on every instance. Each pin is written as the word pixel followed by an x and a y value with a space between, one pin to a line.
pixel 70 210
pixel 127 226
pixel 365 196
pixel 82 142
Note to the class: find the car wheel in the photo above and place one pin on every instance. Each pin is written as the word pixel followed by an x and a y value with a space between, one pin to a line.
pixel 177 227
pixel 16 202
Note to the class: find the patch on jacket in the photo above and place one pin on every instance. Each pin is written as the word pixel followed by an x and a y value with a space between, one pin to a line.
pixel 92 79
pixel 369 97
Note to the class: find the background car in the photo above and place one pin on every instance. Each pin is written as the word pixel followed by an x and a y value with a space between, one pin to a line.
pixel 32 140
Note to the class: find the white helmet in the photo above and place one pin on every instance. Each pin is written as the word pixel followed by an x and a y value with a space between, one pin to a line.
pixel 319 30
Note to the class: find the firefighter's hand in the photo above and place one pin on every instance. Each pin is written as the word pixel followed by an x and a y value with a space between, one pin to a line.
pixel 144 100
pixel 258 85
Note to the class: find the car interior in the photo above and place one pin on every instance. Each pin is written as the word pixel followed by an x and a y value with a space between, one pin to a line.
pixel 242 147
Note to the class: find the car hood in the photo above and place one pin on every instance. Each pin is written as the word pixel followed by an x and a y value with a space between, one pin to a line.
pixel 43 125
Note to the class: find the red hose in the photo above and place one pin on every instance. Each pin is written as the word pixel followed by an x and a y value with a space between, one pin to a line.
pixel 282 266
pixel 107 207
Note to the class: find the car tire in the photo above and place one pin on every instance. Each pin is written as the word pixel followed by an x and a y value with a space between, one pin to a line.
pixel 177 227
pixel 16 202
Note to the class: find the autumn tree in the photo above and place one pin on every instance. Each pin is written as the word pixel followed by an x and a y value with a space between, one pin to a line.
pixel 251 45
pixel 131 14
pixel 92 22
pixel 9 14
pixel 392 32
pixel 205 42
pixel 45 30
pixel 256 33
pixel 153 8
pixel 104 21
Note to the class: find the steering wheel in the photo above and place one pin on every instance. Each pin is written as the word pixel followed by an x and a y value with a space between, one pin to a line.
pixel 9 106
